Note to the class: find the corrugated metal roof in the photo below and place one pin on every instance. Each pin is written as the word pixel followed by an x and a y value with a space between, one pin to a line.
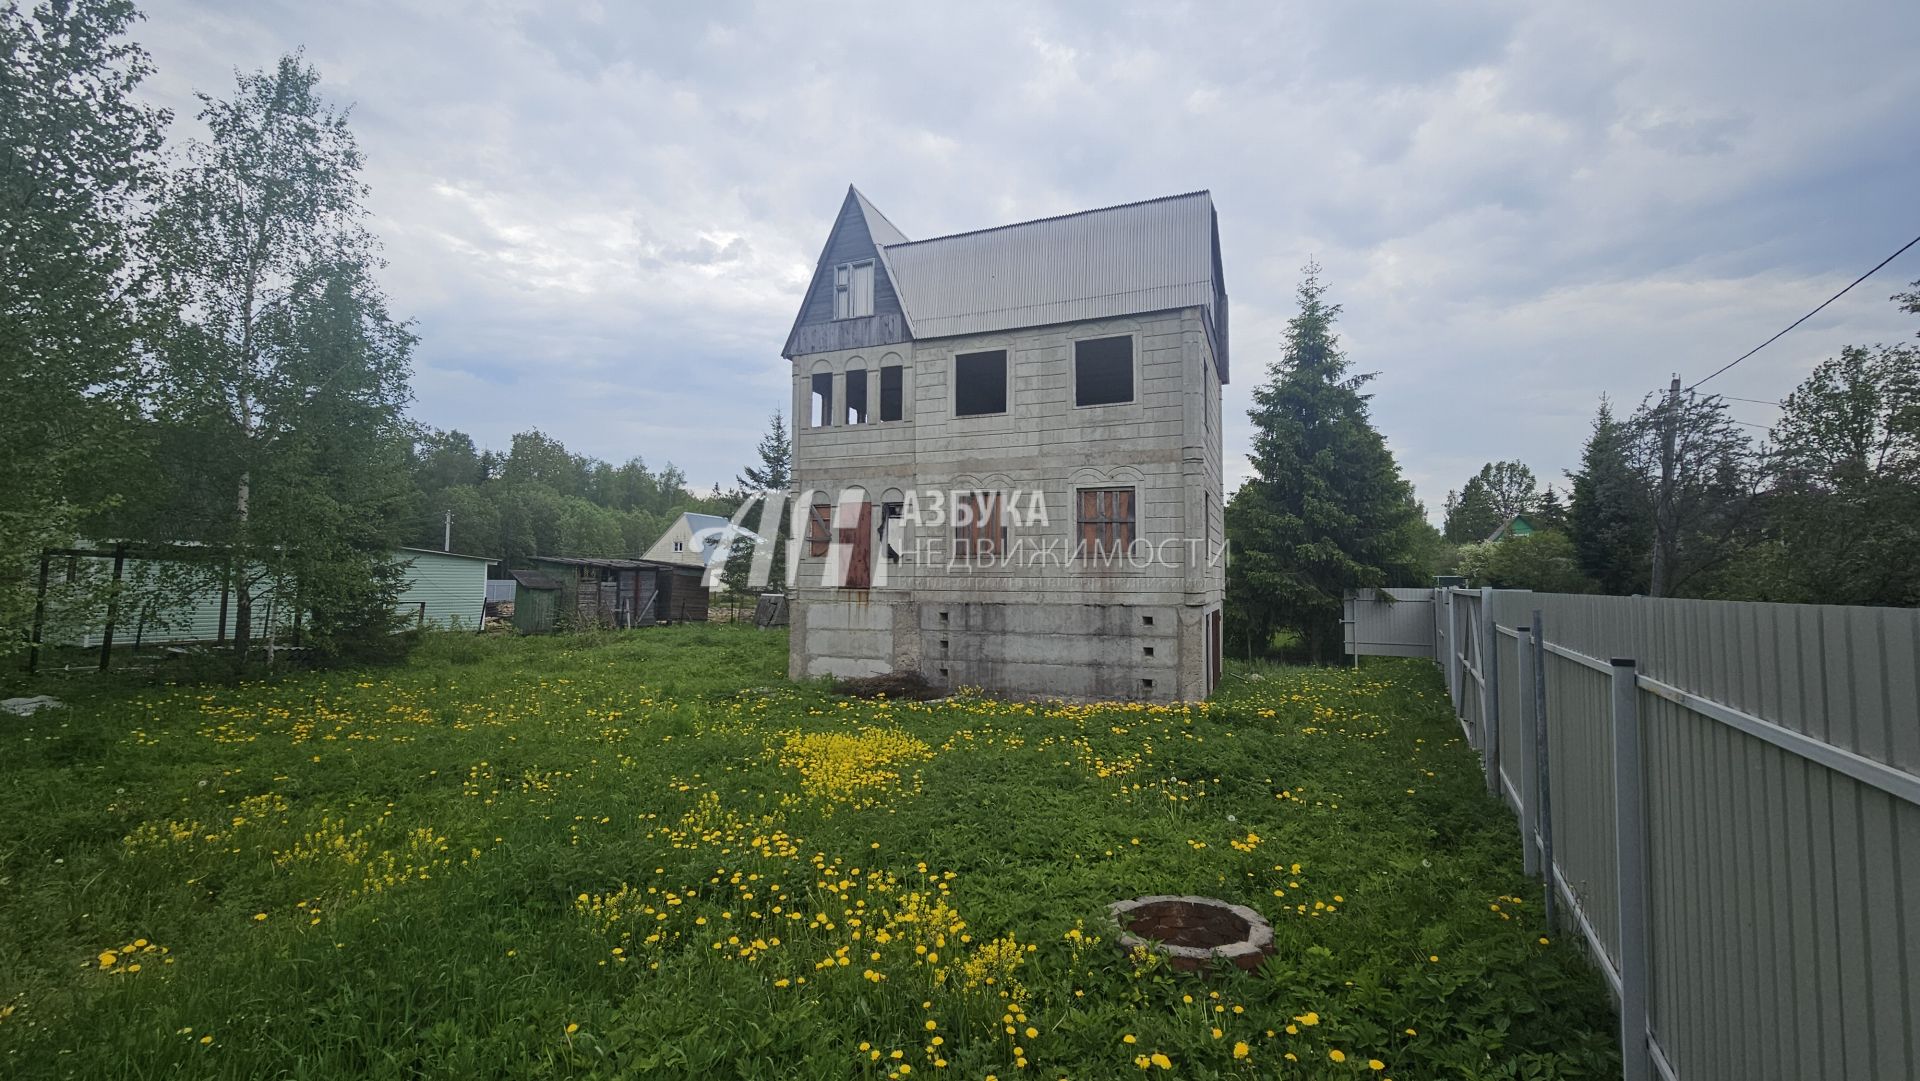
pixel 1130 259
pixel 1120 260
pixel 449 555
pixel 879 228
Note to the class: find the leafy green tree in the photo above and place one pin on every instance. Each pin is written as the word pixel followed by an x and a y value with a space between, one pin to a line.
pixel 1703 507
pixel 1543 561
pixel 447 460
pixel 1498 492
pixel 285 371
pixel 1611 516
pixel 1326 510
pixel 78 165
pixel 1845 505
pixel 539 458
pixel 1471 516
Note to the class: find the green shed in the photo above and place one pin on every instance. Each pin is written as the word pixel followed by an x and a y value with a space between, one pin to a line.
pixel 445 590
pixel 536 601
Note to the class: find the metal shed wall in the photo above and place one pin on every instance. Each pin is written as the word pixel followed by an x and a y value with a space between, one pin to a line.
pixel 445 590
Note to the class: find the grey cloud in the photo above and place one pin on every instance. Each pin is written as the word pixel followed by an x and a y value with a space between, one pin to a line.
pixel 1522 206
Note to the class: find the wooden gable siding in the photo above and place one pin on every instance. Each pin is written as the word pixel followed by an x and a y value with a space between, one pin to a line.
pixel 863 333
pixel 817 331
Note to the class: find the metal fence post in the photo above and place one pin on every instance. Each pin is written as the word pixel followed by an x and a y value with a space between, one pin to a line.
pixel 1529 777
pixel 1630 836
pixel 1489 692
pixel 1544 786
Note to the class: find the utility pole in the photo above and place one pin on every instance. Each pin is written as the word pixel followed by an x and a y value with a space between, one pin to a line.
pixel 1663 502
pixel 446 539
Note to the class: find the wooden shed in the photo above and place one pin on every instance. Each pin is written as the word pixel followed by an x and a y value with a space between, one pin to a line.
pixel 622 593
pixel 536 601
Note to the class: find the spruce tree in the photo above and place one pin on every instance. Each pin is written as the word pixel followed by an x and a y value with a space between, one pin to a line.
pixel 1551 513
pixel 1611 517
pixel 1326 510
pixel 773 473
pixel 775 468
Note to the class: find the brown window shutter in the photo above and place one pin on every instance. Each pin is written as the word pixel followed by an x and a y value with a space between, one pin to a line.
pixel 819 525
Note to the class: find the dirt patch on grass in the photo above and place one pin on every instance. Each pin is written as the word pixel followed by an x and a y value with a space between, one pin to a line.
pixel 911 686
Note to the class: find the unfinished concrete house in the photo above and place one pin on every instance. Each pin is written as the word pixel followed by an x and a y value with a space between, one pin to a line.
pixel 1007 459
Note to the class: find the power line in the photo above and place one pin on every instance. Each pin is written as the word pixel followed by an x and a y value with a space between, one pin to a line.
pixel 1809 315
pixel 1753 401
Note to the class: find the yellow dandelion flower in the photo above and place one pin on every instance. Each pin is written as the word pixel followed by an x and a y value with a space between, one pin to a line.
pixel 1337 1055
pixel 1241 1050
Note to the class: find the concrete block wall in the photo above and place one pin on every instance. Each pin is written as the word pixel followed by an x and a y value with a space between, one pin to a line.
pixel 1165 444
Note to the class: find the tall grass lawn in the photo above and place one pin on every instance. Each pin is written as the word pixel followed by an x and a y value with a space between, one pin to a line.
pixel 649 855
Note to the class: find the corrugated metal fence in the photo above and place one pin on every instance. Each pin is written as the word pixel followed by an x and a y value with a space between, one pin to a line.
pixel 1726 799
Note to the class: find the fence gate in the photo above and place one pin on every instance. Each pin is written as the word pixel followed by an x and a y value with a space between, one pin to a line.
pixel 1390 623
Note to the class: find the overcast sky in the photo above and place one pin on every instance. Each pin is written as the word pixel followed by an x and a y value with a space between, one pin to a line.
pixel 602 216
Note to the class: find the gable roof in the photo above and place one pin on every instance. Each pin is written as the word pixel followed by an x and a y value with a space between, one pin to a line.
pixel 447 555
pixel 535 579
pixel 1120 260
pixel 1510 525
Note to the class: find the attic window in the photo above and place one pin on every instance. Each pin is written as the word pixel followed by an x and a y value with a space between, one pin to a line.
pixel 1103 371
pixel 891 382
pixel 980 383
pixel 857 396
pixel 853 290
pixel 822 399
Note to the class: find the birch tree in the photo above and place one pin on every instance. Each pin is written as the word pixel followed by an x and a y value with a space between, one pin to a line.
pixel 285 369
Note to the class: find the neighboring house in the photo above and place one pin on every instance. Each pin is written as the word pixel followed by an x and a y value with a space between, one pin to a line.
pixel 614 593
pixel 693 540
pixel 442 589
pixel 1516 525
pixel 1079 357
